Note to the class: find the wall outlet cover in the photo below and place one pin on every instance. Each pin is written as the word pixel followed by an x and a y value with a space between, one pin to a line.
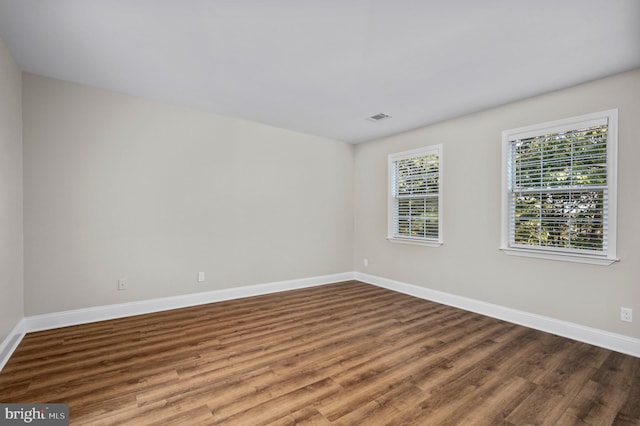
pixel 122 284
pixel 626 314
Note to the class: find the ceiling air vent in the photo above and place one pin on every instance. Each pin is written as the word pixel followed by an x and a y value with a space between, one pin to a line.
pixel 379 117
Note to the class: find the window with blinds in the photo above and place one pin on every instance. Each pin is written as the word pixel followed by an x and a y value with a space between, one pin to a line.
pixel 415 201
pixel 560 188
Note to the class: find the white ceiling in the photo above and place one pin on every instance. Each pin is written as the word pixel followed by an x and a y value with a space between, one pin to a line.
pixel 322 67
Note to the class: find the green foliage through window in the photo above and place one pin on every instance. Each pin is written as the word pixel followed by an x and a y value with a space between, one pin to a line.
pixel 416 187
pixel 558 189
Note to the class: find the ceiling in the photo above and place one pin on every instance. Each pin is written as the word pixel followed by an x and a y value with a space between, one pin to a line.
pixel 322 67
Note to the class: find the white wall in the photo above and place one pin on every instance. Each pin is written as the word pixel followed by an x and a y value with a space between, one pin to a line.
pixel 118 186
pixel 470 264
pixel 11 255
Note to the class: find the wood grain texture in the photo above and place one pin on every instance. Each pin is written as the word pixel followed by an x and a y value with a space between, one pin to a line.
pixel 346 354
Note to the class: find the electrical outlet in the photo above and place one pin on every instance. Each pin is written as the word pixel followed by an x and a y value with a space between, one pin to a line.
pixel 626 314
pixel 122 284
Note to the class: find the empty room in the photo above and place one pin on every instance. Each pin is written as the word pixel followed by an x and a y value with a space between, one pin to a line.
pixel 278 212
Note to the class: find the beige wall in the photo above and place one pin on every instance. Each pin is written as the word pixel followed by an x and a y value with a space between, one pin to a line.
pixel 118 186
pixel 11 283
pixel 470 264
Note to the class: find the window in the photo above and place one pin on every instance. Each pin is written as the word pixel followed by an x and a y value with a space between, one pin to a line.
pixel 415 201
pixel 559 192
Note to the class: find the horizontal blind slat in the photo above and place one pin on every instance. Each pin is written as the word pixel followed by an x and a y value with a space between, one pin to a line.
pixel 415 197
pixel 558 185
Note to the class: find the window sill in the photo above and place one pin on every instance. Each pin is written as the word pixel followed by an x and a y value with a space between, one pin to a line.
pixel 568 257
pixel 415 242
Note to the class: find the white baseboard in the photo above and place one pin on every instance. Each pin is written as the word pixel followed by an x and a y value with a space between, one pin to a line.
pixel 593 336
pixel 616 342
pixel 11 342
pixel 102 313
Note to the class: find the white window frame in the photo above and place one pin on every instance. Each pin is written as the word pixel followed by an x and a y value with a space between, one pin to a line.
pixel 392 225
pixel 608 256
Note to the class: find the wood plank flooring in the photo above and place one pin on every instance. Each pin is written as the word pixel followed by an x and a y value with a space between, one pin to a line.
pixel 345 354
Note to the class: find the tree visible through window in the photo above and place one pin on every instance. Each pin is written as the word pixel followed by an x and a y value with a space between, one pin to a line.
pixel 560 188
pixel 415 200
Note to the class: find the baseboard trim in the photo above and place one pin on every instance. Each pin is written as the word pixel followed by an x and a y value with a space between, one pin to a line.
pixel 616 342
pixel 593 336
pixel 11 342
pixel 102 313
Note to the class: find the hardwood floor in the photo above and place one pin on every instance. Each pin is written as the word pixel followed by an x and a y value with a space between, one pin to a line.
pixel 346 353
